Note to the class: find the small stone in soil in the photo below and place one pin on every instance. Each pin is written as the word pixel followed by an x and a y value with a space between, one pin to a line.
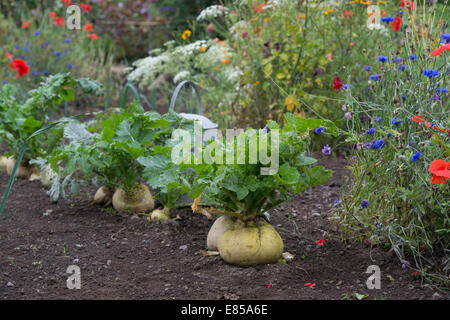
pixel 10 284
pixel 183 247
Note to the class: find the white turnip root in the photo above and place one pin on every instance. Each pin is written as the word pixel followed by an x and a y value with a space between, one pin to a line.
pixel 222 224
pixel 139 199
pixel 48 176
pixel 160 215
pixel 247 244
pixel 30 172
pixel 3 163
pixel 103 195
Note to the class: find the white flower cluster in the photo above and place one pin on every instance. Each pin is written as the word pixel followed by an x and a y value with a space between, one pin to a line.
pixel 212 12
pixel 217 52
pixel 239 27
pixel 233 74
pixel 191 48
pixel 180 76
pixel 147 68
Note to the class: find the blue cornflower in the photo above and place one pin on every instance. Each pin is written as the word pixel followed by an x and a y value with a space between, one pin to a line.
pixel 403 97
pixel 326 150
pixel 367 68
pixel 35 72
pixel 415 156
pixel 396 121
pixel 412 57
pixel 390 134
pixel 401 67
pixel 45 72
pixel 46 43
pixel 70 66
pixel 377 144
pixel 4 82
pixel 346 86
pixel 319 130
pixel 377 119
pixel 364 203
pixel 17 47
pixel 374 77
pixel 430 73
pixel 29 63
pixel 26 49
pixel 57 53
pixel 387 19
pixel 441 90
pixel 371 131
pixel 446 37
pixel 382 59
pixel 67 40
pixel 37 33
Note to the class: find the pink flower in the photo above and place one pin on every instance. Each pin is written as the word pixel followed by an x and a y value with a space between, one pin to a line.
pixel 348 115
pixel 311 285
pixel 319 242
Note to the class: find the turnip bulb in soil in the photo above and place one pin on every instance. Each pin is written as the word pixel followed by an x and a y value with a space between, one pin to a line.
pixel 243 193
pixel 106 153
pixel 20 119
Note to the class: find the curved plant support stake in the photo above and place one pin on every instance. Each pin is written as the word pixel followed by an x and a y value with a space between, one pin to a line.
pixel 177 92
pixel 124 95
pixel 22 150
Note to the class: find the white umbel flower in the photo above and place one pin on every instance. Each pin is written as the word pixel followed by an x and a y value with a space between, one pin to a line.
pixel 147 68
pixel 191 48
pixel 212 12
pixel 180 76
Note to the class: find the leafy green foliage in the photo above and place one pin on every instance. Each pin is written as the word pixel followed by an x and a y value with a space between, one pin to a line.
pixel 241 190
pixel 18 121
pixel 113 149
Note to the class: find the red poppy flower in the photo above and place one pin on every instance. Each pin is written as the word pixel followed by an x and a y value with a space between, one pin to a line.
pixel 8 55
pixel 52 14
pixel 93 36
pixel 268 286
pixel 396 24
pixel 438 51
pixel 259 8
pixel 86 7
pixel 337 84
pixel 409 4
pixel 20 66
pixel 66 2
pixel 25 25
pixel 440 170
pixel 88 27
pixel 347 14
pixel 319 242
pixel 419 119
pixel 59 22
pixel 311 285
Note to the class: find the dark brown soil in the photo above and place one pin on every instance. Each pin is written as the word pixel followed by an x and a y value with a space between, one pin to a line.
pixel 128 257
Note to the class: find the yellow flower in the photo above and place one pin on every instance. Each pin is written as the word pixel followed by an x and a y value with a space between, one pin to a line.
pixel 256 83
pixel 186 34
pixel 329 11
pixel 290 102
pixel 202 49
pixel 225 61
pixel 301 16
pixel 381 2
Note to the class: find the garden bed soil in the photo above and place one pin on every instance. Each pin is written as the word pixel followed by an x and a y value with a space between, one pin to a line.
pixel 127 257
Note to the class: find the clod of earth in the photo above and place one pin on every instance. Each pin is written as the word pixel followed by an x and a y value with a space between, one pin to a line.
pixel 139 199
pixel 103 195
pixel 30 172
pixel 250 244
pixel 219 226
